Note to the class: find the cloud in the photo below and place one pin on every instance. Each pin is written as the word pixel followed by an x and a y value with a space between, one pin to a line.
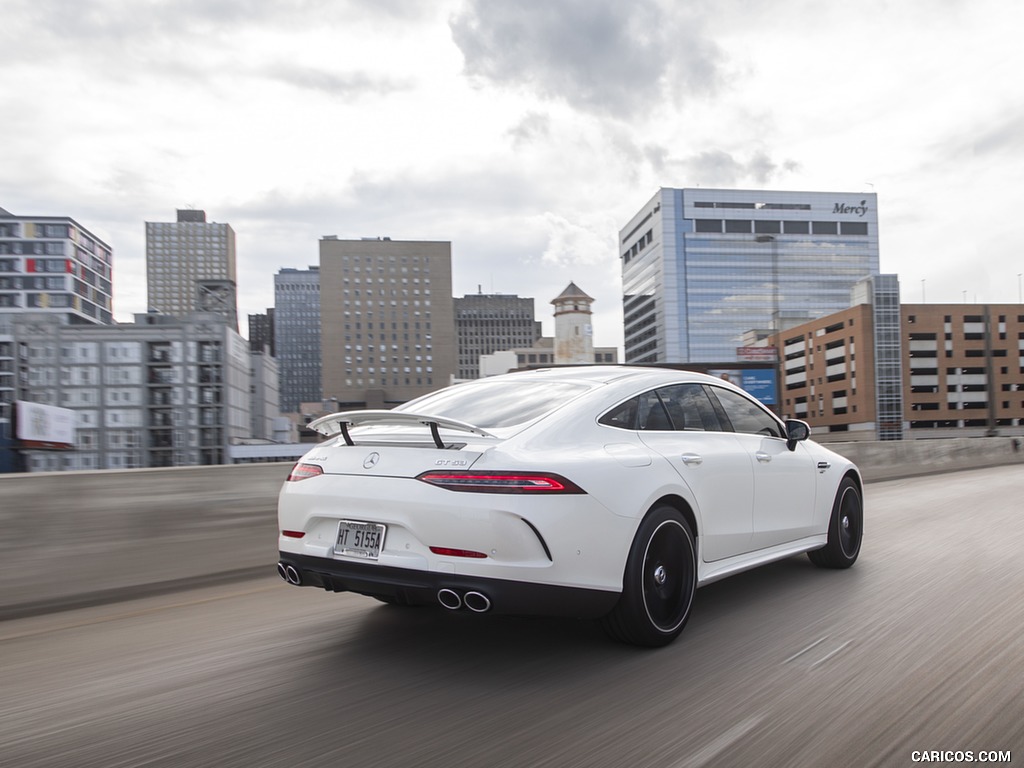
pixel 577 244
pixel 716 167
pixel 106 21
pixel 532 127
pixel 349 85
pixel 600 56
pixel 990 136
pixel 132 41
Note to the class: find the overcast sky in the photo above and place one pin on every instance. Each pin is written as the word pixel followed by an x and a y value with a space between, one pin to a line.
pixel 526 133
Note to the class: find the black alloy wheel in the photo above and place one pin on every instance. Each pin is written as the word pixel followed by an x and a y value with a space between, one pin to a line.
pixel 658 584
pixel 845 529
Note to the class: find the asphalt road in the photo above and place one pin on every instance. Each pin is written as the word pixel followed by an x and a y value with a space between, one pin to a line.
pixel 918 647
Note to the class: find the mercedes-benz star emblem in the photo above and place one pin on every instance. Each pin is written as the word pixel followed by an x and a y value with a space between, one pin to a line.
pixel 371 461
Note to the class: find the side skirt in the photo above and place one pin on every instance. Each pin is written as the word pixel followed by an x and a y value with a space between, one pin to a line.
pixel 720 569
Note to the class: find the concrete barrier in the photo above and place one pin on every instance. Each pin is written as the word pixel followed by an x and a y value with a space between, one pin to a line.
pixel 72 539
pixel 907 458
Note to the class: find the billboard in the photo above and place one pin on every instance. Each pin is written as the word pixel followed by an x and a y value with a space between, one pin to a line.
pixel 40 426
pixel 757 354
pixel 758 382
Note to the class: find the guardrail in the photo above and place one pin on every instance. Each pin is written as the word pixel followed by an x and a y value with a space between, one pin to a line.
pixel 72 539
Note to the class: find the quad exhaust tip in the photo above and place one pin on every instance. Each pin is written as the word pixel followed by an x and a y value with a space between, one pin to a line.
pixel 477 602
pixel 449 598
pixel 289 573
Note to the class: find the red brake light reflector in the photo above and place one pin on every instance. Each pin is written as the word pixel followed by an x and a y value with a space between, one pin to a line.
pixel 501 482
pixel 449 552
pixel 293 534
pixel 303 472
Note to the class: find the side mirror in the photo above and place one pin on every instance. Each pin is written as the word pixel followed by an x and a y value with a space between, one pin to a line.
pixel 796 431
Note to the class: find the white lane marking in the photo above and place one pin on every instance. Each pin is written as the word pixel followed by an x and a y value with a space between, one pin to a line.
pixel 798 654
pixel 829 656
pixel 723 742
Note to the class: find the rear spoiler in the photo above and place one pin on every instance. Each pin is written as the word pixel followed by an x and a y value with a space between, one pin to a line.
pixel 334 423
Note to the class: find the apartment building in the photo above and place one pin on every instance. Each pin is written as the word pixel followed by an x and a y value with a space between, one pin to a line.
pixel 157 392
pixel 54 265
pixel 190 266
pixel 388 333
pixel 964 368
pixel 921 371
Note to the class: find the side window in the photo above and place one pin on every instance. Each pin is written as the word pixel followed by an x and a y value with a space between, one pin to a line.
pixel 746 415
pixel 644 412
pixel 690 408
pixel 652 415
pixel 675 408
pixel 622 416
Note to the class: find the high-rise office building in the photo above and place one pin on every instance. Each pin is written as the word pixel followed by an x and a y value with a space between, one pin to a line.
pixel 491 322
pixel 190 266
pixel 54 265
pixel 388 331
pixel 702 268
pixel 261 332
pixel 296 329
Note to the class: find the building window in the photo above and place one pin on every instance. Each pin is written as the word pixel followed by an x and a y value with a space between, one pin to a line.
pixel 768 227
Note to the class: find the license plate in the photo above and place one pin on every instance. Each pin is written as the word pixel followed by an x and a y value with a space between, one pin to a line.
pixel 359 539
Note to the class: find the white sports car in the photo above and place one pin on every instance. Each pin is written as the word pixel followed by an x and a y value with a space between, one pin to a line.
pixel 596 491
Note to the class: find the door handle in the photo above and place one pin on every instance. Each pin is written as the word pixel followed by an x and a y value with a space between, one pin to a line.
pixel 691 458
pixel 763 457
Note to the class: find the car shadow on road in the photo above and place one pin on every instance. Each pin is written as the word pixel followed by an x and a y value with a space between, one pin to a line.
pixel 440 636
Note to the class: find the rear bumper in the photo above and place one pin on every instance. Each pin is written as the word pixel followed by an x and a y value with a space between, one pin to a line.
pixel 413 587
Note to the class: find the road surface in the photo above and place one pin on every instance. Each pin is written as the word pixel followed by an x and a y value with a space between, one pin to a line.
pixel 919 647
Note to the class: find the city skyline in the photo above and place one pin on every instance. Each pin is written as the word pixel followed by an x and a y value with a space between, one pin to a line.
pixel 419 122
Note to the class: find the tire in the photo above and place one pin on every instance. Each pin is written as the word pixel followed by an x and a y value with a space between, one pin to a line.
pixel 845 529
pixel 658 583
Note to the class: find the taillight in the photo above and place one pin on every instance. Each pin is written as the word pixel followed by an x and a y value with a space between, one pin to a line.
pixel 501 482
pixel 303 472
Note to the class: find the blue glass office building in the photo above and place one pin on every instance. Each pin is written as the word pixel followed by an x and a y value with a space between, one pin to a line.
pixel 705 271
pixel 297 336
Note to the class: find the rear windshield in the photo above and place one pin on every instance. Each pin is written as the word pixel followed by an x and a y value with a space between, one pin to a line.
pixel 497 404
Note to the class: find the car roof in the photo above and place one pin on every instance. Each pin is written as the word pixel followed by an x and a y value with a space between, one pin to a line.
pixel 606 374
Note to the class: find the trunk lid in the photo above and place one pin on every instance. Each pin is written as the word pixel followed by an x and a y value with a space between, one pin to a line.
pixel 391 444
